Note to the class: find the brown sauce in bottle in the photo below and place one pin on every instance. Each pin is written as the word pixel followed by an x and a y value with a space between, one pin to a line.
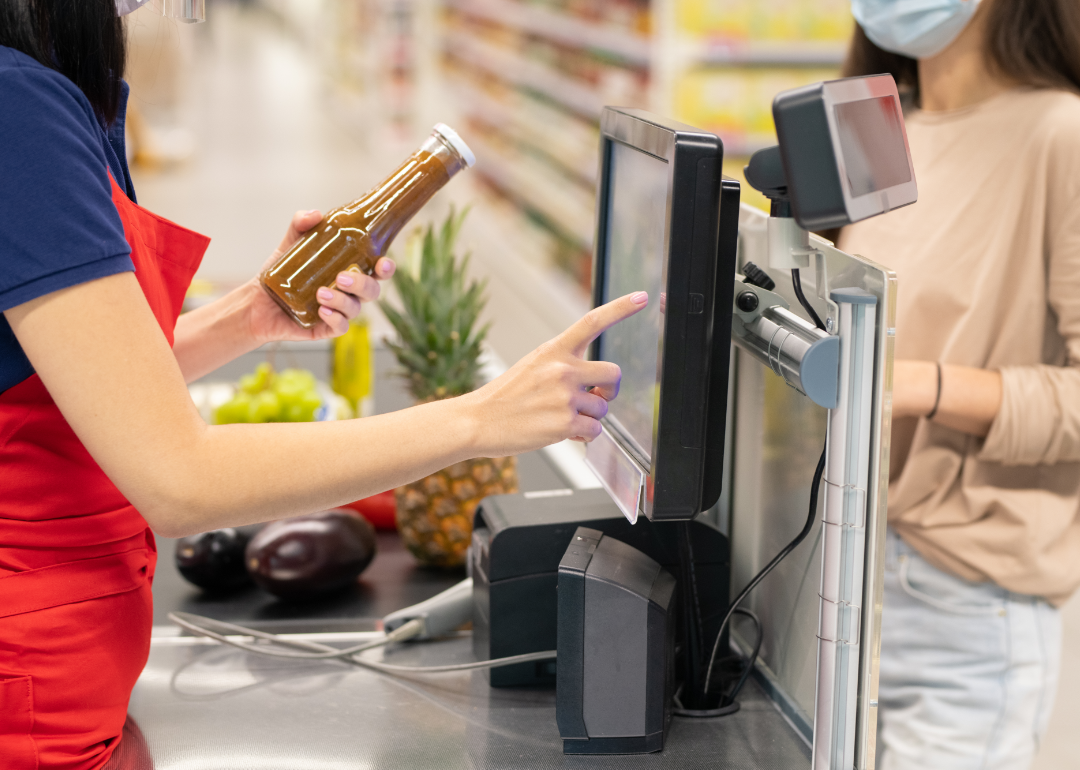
pixel 356 235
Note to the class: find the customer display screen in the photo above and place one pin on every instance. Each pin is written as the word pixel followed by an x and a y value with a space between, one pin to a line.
pixel 871 136
pixel 636 241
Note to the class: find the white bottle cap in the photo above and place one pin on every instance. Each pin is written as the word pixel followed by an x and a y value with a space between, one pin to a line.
pixel 455 141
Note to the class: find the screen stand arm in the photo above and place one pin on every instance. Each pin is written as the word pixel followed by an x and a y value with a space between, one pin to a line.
pixel 805 356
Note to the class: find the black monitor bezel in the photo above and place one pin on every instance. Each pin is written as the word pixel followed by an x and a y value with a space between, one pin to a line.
pixel 684 473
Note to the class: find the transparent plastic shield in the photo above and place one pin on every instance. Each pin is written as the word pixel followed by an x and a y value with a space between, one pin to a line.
pixel 187 11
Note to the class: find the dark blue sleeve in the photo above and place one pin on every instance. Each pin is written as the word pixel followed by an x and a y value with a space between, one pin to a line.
pixel 58 224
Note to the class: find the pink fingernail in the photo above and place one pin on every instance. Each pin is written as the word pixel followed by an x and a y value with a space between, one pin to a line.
pixel 639 298
pixel 325 312
pixel 344 279
pixel 325 293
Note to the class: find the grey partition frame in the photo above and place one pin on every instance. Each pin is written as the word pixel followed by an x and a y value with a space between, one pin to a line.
pixel 839 630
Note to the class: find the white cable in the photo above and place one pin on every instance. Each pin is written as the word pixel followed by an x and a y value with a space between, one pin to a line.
pixel 494 663
pixel 350 655
pixel 192 623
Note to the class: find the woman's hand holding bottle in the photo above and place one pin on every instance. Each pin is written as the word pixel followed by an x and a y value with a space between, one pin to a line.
pixel 339 305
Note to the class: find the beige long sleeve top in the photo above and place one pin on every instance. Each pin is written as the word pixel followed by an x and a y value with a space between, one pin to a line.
pixel 988 262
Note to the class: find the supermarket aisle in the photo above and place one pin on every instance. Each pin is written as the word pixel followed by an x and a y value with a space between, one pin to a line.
pixel 269 143
pixel 265 145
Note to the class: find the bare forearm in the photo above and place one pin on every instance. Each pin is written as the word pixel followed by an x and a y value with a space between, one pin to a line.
pixel 969 401
pixel 211 336
pixel 119 386
pixel 231 475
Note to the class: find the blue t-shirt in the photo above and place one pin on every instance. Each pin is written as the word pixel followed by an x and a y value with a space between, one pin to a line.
pixel 58 224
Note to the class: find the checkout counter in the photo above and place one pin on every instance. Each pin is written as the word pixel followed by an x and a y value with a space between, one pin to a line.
pixel 812 699
pixel 202 706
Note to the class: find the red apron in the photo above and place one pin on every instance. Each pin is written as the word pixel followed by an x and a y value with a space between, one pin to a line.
pixel 76 559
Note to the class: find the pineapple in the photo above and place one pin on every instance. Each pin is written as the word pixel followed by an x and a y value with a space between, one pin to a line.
pixel 439 352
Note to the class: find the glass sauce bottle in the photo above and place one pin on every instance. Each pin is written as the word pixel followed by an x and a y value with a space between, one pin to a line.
pixel 355 236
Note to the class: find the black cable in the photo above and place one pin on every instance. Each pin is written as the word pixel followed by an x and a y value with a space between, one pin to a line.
pixel 796 281
pixel 815 486
pixel 750 661
pixel 727 704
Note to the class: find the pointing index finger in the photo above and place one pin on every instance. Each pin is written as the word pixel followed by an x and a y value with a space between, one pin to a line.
pixel 598 320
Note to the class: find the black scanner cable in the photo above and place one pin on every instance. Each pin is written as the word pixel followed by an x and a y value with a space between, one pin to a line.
pixel 796 282
pixel 815 487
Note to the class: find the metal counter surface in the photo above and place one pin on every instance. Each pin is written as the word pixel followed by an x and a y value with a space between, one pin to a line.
pixel 201 706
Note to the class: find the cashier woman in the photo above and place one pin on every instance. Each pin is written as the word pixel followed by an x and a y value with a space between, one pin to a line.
pixel 99 441
pixel 984 494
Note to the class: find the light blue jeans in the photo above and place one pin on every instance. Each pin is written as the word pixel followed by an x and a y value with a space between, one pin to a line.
pixel 968 670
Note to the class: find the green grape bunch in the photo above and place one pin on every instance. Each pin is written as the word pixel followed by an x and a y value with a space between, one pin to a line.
pixel 268 396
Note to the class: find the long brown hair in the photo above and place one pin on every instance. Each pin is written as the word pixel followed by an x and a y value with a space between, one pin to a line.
pixel 1030 42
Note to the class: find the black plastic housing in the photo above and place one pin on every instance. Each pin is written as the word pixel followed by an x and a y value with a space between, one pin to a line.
pixel 518 541
pixel 686 464
pixel 812 147
pixel 616 648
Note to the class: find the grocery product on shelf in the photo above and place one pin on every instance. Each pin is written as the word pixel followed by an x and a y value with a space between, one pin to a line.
pixel 736 102
pixel 371 58
pixel 773 20
pixel 354 236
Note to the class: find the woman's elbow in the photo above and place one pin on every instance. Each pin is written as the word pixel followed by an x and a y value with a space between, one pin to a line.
pixel 175 512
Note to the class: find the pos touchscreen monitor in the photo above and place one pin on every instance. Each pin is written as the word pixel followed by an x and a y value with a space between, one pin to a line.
pixel 667 223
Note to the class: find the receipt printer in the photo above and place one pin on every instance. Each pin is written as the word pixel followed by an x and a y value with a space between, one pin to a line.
pixel 616 636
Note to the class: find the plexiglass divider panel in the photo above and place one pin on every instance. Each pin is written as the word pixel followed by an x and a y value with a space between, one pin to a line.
pixel 777 437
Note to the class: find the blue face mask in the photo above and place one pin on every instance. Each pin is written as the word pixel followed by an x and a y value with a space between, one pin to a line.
pixel 915 28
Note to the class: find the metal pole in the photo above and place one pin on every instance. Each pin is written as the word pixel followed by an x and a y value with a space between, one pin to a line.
pixel 843 541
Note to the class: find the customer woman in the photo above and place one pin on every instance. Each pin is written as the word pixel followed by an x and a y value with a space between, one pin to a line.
pixel 99 440
pixel 984 499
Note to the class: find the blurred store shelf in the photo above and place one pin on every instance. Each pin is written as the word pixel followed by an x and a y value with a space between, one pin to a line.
pixel 568 142
pixel 569 30
pixel 532 78
pixel 523 73
pixel 539 187
pixel 764 52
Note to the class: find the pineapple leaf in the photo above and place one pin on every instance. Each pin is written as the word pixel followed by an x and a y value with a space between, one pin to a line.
pixel 439 341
